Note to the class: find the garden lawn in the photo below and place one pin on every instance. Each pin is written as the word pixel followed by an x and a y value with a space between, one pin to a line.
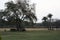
pixel 31 35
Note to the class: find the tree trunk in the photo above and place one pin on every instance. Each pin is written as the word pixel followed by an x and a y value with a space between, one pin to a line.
pixel 17 27
pixel 22 28
pixel 50 25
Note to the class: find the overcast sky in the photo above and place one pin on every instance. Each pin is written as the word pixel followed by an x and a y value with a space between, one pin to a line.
pixel 43 8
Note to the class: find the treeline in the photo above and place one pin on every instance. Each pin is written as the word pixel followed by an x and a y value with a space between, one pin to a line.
pixel 55 24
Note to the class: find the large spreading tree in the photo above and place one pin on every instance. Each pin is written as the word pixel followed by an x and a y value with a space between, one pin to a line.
pixel 19 12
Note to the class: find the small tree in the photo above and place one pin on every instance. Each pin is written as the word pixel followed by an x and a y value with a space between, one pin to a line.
pixel 44 18
pixel 45 21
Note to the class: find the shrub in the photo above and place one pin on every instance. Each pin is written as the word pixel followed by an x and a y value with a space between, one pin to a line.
pixel 23 30
pixel 5 30
pixel 12 29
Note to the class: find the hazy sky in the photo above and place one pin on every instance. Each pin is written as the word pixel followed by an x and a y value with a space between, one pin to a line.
pixel 43 8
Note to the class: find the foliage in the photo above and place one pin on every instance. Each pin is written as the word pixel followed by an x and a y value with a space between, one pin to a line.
pixel 21 11
pixel 48 23
pixel 50 15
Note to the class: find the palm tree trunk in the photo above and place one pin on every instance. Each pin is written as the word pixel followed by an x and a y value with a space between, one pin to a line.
pixel 50 25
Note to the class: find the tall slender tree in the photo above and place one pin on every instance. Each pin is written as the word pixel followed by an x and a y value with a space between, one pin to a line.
pixel 50 17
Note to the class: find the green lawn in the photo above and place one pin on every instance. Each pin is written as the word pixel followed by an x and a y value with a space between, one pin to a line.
pixel 31 35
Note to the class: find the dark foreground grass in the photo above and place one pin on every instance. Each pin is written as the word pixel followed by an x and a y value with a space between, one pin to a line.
pixel 31 35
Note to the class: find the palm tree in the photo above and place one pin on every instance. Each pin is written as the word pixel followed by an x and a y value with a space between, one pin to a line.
pixel 20 12
pixel 50 16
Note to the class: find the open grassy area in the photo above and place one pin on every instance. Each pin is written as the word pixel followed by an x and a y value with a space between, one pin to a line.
pixel 31 35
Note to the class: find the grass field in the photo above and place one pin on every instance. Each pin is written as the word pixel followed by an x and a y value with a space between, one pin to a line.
pixel 31 35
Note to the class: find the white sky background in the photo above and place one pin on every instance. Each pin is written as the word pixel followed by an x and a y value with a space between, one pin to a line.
pixel 43 8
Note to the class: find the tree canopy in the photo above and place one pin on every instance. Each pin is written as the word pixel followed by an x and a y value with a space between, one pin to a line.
pixel 19 12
